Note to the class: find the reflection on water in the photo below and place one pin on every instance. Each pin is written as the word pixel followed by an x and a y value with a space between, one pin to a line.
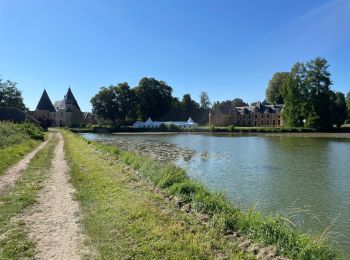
pixel 306 179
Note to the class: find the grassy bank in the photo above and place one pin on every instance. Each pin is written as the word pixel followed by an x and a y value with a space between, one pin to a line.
pixel 16 140
pixel 14 243
pixel 124 216
pixel 223 216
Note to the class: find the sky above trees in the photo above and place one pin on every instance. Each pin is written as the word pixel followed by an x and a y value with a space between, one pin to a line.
pixel 227 48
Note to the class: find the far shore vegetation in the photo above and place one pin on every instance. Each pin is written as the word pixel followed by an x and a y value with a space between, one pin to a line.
pixel 305 92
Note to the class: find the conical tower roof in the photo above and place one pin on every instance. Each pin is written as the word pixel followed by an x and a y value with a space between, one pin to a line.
pixel 45 103
pixel 70 99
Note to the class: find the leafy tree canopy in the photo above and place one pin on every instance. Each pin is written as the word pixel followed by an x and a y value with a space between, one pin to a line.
pixel 204 100
pixel 274 89
pixel 154 98
pixel 114 102
pixel 348 103
pixel 225 106
pixel 307 96
pixel 338 108
pixel 10 95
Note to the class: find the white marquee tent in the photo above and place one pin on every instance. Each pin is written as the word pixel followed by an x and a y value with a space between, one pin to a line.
pixel 155 124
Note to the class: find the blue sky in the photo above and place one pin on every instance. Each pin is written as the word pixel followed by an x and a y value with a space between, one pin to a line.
pixel 227 48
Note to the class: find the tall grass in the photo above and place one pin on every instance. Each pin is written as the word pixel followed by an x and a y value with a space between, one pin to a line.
pixel 12 134
pixel 268 230
pixel 15 141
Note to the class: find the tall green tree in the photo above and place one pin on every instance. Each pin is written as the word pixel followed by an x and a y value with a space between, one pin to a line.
pixel 176 111
pixel 191 107
pixel 348 106
pixel 274 88
pixel 226 106
pixel 318 82
pixel 292 88
pixel 114 102
pixel 154 98
pixel 238 102
pixel 338 108
pixel 204 101
pixel 10 95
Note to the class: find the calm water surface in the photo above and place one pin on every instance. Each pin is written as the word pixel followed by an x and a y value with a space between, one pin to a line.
pixel 306 179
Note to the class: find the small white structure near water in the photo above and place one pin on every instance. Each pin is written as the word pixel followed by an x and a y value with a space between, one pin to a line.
pixel 155 124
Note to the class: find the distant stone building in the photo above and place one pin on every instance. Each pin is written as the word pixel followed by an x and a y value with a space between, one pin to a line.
pixel 65 112
pixel 258 115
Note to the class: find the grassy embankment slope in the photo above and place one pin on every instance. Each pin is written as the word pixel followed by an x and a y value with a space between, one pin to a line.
pixel 14 242
pixel 125 217
pixel 15 141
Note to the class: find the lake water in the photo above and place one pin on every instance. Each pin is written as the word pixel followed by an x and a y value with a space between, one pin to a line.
pixel 306 179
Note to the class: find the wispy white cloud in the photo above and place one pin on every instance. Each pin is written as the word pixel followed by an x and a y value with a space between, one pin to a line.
pixel 311 34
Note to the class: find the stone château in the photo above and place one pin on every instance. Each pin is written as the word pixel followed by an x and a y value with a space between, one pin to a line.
pixel 63 113
pixel 258 115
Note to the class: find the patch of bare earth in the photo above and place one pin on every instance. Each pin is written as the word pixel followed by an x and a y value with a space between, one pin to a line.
pixel 14 172
pixel 52 222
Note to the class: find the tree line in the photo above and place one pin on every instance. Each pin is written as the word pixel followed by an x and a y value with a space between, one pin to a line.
pixel 150 98
pixel 306 93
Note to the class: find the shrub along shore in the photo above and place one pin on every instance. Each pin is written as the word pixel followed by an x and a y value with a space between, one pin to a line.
pixel 17 140
pixel 223 217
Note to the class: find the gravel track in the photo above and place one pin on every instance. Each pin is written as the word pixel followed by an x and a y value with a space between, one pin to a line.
pixel 52 222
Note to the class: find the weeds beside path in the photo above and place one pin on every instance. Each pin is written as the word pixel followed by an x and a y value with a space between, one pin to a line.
pixel 12 174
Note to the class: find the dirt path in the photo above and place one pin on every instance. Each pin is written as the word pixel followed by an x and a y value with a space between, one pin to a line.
pixel 52 222
pixel 12 174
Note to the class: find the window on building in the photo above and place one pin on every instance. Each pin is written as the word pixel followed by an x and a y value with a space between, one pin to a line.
pixel 273 122
pixel 267 115
pixel 262 122
pixel 279 122
pixel 279 116
pixel 255 123
pixel 256 116
pixel 267 122
pixel 262 116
